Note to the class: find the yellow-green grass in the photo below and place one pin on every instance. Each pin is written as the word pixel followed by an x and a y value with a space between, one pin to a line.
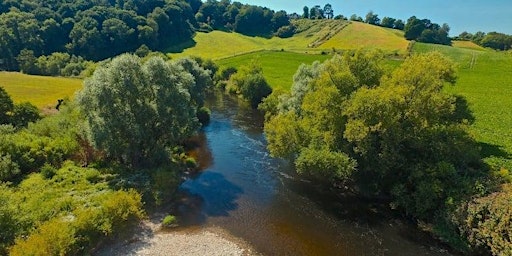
pixel 360 35
pixel 467 44
pixel 220 44
pixel 42 91
pixel 487 86
pixel 278 67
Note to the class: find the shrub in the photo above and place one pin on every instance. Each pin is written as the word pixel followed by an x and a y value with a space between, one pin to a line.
pixel 203 115
pixel 286 31
pixel 48 171
pixel 8 168
pixel 55 237
pixel 169 221
pixel 487 222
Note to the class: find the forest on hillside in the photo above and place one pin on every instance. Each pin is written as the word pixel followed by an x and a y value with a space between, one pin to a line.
pixel 59 37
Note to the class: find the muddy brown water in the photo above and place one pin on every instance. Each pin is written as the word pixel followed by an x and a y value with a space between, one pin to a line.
pixel 259 199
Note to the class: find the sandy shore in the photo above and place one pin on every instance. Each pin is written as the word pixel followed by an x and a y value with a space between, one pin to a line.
pixel 150 239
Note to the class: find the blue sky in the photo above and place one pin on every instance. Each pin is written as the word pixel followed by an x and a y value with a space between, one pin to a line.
pixel 461 15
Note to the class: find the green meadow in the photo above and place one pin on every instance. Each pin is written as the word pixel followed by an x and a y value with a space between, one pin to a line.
pixel 42 91
pixel 278 67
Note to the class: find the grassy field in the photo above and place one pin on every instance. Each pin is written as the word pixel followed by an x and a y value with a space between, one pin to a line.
pixel 360 35
pixel 219 44
pixel 278 67
pixel 41 91
pixel 485 80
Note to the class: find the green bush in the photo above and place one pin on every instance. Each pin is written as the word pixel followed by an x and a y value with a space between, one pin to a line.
pixel 487 222
pixel 8 168
pixel 169 221
pixel 203 115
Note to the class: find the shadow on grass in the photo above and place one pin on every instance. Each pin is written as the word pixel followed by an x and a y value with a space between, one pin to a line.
pixel 179 48
pixel 490 150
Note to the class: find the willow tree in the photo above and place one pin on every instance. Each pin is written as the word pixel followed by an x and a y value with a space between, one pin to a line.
pixel 135 111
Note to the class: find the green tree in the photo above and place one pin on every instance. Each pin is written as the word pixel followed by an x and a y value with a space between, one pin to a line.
pixel 305 13
pixel 27 62
pixel 372 18
pixel 251 84
pixel 6 107
pixel 388 22
pixel 135 111
pixel 24 113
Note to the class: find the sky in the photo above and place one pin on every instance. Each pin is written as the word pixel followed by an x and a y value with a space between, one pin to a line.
pixel 460 15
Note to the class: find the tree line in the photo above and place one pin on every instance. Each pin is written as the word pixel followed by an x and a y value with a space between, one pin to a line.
pixel 493 40
pixel 99 29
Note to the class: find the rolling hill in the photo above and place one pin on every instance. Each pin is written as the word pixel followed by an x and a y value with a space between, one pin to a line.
pixel 313 37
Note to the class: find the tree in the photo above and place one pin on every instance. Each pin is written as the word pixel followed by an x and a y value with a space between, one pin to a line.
pixel 135 111
pixel 6 107
pixel 251 84
pixel 388 22
pixel 305 14
pixel 27 62
pixel 372 18
pixel 24 113
pixel 399 24
pixel 328 11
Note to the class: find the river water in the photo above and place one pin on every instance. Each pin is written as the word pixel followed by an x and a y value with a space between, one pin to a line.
pixel 245 191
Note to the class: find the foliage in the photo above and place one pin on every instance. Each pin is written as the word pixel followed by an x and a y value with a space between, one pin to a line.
pixel 401 130
pixel 94 30
pixel 135 111
pixel 6 106
pixel 427 32
pixel 372 18
pixel 203 115
pixel 18 115
pixel 251 84
pixel 323 164
pixel 169 221
pixel 49 141
pixel 487 222
pixel 66 214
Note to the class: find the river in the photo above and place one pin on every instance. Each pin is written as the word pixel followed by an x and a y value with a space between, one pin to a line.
pixel 259 199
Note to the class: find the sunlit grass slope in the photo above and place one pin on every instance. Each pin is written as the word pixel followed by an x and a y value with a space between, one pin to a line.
pixel 485 80
pixel 41 91
pixel 278 67
pixel 219 44
pixel 360 35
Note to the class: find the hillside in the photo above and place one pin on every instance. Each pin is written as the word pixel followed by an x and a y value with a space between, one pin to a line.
pixel 41 91
pixel 361 35
pixel 313 36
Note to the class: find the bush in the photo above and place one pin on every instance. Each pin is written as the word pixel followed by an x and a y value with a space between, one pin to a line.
pixel 286 31
pixel 169 221
pixel 8 168
pixel 55 237
pixel 323 164
pixel 48 171
pixel 487 222
pixel 203 115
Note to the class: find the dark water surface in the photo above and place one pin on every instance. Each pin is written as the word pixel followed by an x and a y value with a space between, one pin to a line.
pixel 259 199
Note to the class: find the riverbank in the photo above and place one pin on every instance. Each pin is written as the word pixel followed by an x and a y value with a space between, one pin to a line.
pixel 150 239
